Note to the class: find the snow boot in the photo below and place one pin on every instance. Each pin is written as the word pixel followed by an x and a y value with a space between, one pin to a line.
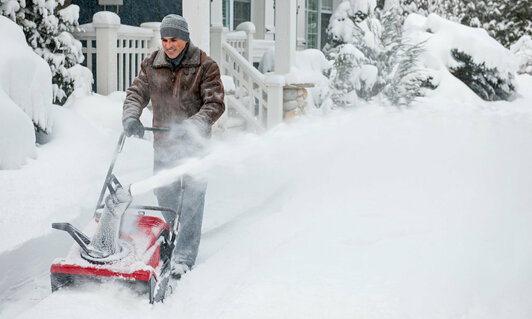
pixel 179 270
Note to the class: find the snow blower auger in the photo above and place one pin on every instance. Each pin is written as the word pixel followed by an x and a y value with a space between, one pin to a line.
pixel 127 245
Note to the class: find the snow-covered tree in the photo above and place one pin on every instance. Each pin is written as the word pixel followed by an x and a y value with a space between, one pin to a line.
pixel 516 23
pixel 48 32
pixel 488 83
pixel 372 57
pixel 506 21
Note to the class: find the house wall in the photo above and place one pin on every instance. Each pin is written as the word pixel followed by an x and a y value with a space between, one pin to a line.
pixel 197 14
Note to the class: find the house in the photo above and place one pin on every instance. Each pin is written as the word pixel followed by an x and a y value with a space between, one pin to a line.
pixel 263 100
pixel 312 16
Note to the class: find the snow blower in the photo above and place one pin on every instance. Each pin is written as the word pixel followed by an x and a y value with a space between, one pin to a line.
pixel 127 245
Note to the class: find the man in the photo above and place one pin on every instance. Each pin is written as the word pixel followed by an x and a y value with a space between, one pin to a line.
pixel 187 97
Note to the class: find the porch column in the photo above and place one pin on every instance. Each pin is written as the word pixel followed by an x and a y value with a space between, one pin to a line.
pixel 197 14
pixel 217 32
pixel 301 25
pixel 269 22
pixel 106 25
pixel 258 17
pixel 285 35
pixel 217 13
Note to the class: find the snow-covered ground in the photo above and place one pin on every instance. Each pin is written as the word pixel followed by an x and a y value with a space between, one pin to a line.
pixel 374 212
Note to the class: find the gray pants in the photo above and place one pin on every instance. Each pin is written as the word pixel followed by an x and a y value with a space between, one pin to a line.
pixel 188 239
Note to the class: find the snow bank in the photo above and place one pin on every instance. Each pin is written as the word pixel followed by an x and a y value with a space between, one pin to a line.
pixel 17 135
pixel 26 83
pixel 440 37
pixel 443 35
pixel 422 213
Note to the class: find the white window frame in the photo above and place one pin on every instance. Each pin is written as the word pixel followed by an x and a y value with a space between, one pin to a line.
pixel 318 30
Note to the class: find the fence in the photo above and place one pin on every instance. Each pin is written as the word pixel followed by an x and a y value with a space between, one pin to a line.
pixel 258 98
pixel 114 52
pixel 244 43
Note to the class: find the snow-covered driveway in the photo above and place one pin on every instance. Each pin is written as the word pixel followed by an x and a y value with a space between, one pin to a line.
pixel 372 213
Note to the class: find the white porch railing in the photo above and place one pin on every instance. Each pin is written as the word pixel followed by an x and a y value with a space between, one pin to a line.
pixel 258 99
pixel 114 52
pixel 247 46
pixel 252 94
pixel 239 41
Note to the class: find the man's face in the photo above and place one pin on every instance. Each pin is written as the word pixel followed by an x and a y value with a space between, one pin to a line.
pixel 173 46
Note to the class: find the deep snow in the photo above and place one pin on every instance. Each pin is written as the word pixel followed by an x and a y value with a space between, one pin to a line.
pixel 375 212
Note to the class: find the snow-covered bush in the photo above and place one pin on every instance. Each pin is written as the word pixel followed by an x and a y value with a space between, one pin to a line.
pixel 488 83
pixel 48 32
pixel 372 57
pixel 25 95
pixel 506 21
pixel 485 65
pixel 523 51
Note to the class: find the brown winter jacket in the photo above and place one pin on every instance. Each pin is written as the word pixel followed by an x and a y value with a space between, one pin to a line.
pixel 193 92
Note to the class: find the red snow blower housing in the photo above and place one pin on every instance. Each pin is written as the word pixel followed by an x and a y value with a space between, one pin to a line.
pixel 127 245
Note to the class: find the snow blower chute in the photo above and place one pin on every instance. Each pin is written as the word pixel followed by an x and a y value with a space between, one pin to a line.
pixel 127 245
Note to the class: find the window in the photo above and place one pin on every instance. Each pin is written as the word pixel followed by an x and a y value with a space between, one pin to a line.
pixel 318 15
pixel 241 12
pixel 235 12
pixel 226 9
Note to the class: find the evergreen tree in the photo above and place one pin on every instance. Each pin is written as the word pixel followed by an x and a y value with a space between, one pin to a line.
pixel 372 58
pixel 517 23
pixel 48 32
pixel 506 21
pixel 488 83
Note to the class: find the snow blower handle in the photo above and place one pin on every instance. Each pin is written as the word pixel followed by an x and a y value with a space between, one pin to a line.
pixel 118 149
pixel 157 129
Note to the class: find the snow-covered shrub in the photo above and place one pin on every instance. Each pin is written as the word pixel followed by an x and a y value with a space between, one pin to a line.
pixel 488 83
pixel 523 51
pixel 506 21
pixel 25 96
pixel 423 7
pixel 372 58
pixel 48 32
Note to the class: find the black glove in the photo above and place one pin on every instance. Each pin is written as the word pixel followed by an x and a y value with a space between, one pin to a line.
pixel 132 126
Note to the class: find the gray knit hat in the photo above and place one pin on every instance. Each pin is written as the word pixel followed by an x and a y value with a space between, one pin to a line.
pixel 174 26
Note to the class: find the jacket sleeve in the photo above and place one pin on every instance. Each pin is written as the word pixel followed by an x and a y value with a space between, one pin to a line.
pixel 212 94
pixel 138 94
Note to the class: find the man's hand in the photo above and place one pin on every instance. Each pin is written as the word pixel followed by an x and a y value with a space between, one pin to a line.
pixel 132 126
pixel 180 132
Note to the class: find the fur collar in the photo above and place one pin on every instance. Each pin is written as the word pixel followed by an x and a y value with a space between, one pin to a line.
pixel 191 58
